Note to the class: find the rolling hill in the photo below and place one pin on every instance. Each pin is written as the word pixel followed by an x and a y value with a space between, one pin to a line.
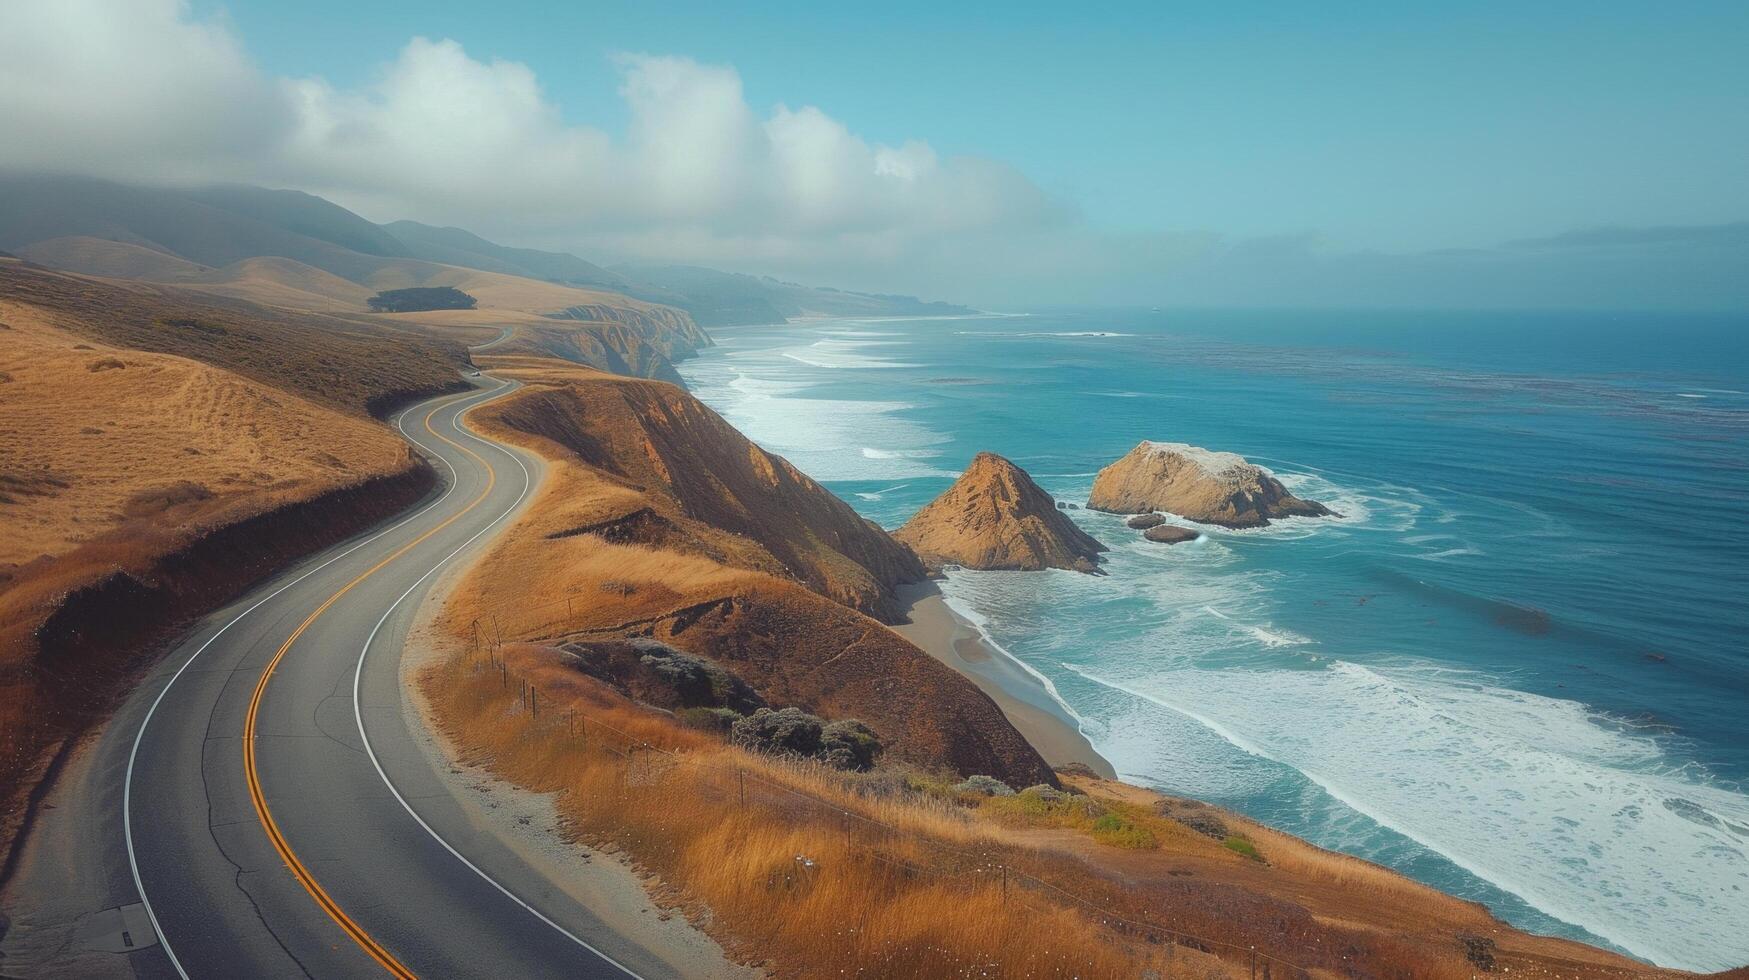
pixel 221 225
pixel 296 251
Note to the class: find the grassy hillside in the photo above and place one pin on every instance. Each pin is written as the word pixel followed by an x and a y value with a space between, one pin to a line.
pixel 454 246
pixel 159 451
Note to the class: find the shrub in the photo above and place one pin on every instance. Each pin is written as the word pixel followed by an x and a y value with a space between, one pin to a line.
pixel 421 298
pixel 1119 832
pixel 697 681
pixel 786 731
pixel 1241 846
pixel 1043 793
pixel 849 744
pixel 984 786
pixel 1197 817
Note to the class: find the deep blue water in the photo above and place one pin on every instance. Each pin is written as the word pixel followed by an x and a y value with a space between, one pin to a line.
pixel 1515 669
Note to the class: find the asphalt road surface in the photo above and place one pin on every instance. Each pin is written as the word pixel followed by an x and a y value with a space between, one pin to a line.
pixel 260 803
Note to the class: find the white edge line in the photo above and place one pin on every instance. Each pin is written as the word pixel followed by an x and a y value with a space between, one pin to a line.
pixel 358 713
pixel 127 789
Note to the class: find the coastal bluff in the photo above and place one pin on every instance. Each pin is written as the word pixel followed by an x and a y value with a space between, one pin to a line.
pixel 1199 484
pixel 995 517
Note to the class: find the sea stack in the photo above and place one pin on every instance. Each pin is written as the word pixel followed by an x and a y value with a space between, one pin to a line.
pixel 995 517
pixel 1195 483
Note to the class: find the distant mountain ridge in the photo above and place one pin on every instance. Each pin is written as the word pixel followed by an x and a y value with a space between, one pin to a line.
pixel 219 225
pixel 723 298
pixel 457 246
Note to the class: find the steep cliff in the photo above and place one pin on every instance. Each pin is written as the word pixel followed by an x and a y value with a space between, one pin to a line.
pixel 1210 487
pixel 657 519
pixel 669 445
pixel 632 338
pixel 995 517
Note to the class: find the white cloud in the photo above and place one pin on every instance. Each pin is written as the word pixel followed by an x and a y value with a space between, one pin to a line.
pixel 140 89
pixel 130 87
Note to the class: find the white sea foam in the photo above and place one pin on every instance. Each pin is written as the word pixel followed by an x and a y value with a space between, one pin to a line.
pixel 1587 822
pixel 827 438
pixel 878 494
pixel 1448 553
pixel 970 614
pixel 844 355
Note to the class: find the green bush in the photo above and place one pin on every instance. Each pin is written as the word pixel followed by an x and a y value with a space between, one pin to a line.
pixel 849 744
pixel 1242 847
pixel 1118 832
pixel 844 744
pixel 984 786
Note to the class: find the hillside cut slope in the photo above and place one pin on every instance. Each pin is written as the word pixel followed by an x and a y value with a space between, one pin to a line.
pixel 658 520
pixel 159 452
pixel 995 517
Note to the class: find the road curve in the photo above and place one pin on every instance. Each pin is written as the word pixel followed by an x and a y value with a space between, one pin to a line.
pixel 325 845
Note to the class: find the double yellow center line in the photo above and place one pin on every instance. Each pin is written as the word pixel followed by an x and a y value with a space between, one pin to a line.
pixel 251 770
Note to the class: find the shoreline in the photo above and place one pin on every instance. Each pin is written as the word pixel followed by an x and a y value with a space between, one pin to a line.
pixel 945 635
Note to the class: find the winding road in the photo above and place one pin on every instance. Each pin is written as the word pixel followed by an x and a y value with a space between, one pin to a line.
pixel 262 808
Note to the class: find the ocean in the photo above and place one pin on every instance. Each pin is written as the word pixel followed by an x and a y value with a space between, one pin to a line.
pixel 1516 667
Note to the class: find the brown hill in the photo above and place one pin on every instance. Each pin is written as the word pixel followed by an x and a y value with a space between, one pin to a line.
pixel 661 440
pixel 111 259
pixel 995 517
pixel 1210 487
pixel 296 251
pixel 658 519
pixel 160 452
pixel 274 281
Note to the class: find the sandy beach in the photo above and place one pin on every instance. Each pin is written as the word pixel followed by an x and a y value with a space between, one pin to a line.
pixel 947 637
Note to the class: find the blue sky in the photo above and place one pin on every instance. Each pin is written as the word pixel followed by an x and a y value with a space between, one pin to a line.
pixel 1002 154
pixel 1394 126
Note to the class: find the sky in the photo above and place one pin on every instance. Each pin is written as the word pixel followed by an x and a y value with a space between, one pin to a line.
pixel 1123 153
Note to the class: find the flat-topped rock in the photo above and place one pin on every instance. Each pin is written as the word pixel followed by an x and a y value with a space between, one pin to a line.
pixel 1170 534
pixel 995 517
pixel 1142 522
pixel 1196 483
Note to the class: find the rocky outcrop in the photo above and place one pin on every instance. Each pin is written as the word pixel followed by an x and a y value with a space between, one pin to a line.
pixel 1142 522
pixel 1170 534
pixel 1192 482
pixel 995 517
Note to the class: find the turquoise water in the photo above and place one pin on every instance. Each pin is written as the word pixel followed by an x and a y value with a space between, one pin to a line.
pixel 1514 669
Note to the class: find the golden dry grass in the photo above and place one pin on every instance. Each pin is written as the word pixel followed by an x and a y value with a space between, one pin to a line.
pixel 785 877
pixel 494 290
pixel 649 460
pixel 894 873
pixel 160 451
pixel 114 260
pixel 110 436
pixel 275 281
pixel 902 898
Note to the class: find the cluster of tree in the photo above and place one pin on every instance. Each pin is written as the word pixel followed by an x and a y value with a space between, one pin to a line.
pixel 421 298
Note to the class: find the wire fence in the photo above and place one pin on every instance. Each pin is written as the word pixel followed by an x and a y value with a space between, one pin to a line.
pixel 642 765
pixel 645 763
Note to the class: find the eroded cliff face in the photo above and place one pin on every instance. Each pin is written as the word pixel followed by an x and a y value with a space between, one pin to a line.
pixel 1210 487
pixel 995 517
pixel 639 340
pixel 667 443
pixel 657 519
